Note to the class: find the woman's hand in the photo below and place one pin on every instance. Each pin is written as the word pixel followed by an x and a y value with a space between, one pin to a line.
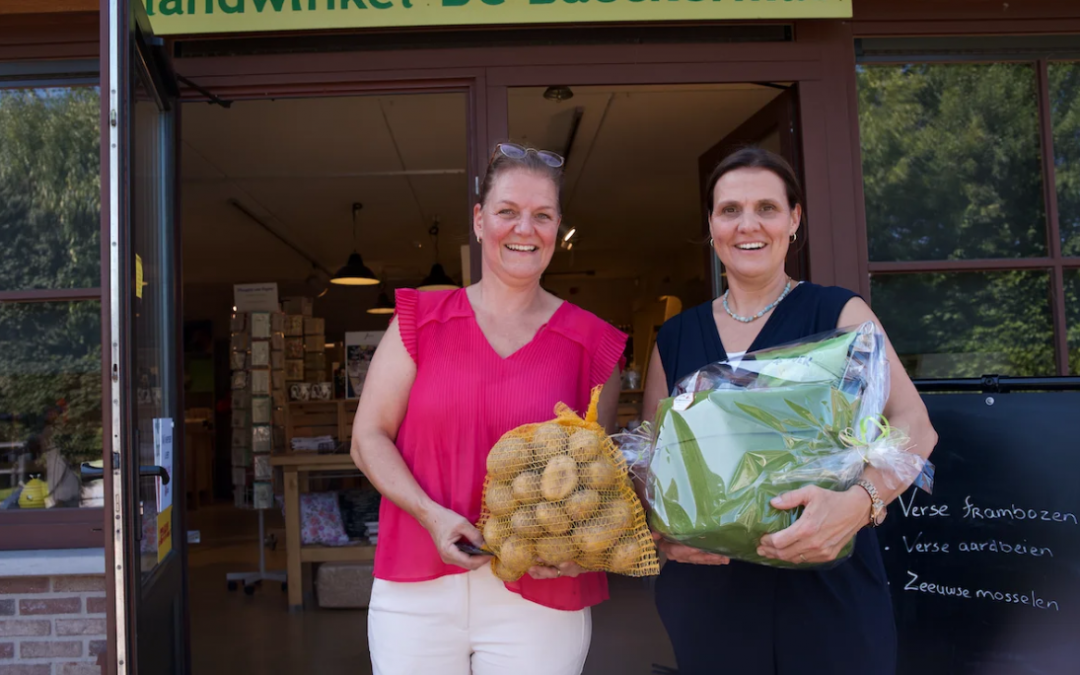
pixel 829 521
pixel 685 554
pixel 567 569
pixel 447 528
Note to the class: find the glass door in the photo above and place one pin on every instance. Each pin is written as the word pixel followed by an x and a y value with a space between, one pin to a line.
pixel 148 494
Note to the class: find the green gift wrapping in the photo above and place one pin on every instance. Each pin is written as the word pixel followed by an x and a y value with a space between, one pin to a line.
pixel 737 435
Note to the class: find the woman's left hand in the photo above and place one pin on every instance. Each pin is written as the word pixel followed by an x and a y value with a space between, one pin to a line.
pixel 828 522
pixel 567 569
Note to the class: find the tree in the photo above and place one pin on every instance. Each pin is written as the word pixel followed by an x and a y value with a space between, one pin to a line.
pixel 952 170
pixel 50 187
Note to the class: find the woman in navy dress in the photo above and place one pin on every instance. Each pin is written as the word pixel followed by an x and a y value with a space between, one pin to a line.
pixel 731 617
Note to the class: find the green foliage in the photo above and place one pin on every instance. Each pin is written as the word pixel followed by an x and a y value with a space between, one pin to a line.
pixel 952 171
pixel 50 192
pixel 50 188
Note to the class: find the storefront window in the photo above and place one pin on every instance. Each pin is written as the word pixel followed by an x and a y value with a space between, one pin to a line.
pixel 951 161
pixel 1072 318
pixel 1064 78
pixel 968 324
pixel 50 188
pixel 50 315
pixel 50 403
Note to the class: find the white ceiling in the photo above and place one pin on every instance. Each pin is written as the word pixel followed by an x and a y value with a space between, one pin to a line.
pixel 631 180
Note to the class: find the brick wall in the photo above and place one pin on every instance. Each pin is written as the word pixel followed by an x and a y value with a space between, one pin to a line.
pixel 52 625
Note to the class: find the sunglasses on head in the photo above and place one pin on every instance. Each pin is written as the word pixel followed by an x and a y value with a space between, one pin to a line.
pixel 514 151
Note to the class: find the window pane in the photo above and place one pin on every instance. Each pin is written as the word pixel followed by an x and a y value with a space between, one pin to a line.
pixel 1072 318
pixel 50 188
pixel 1065 110
pixel 50 403
pixel 951 161
pixel 968 324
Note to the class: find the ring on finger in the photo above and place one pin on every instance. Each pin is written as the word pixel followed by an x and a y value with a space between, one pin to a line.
pixel 802 557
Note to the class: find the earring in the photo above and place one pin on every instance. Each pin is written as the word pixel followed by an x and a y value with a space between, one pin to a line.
pixel 710 242
pixel 794 236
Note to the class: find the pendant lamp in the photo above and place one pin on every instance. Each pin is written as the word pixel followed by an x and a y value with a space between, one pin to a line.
pixel 437 279
pixel 384 305
pixel 355 272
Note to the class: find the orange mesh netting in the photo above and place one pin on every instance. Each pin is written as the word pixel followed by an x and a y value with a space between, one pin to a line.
pixel 559 491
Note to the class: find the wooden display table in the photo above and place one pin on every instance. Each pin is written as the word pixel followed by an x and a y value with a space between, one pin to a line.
pixel 295 467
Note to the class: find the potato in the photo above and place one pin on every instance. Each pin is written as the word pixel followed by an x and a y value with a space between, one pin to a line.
pixel 500 499
pixel 507 457
pixel 617 515
pixel 496 531
pixel 524 523
pixel 582 504
pixel 593 561
pixel 560 478
pixel 548 441
pixel 584 445
pixel 506 573
pixel 624 555
pixel 517 553
pixel 594 538
pixel 526 487
pixel 555 550
pixel 552 518
pixel 600 475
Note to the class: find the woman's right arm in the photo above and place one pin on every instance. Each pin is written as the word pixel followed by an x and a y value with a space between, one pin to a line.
pixel 655 391
pixel 382 406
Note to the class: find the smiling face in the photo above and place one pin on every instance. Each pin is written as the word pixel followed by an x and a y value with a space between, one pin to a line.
pixel 751 223
pixel 517 225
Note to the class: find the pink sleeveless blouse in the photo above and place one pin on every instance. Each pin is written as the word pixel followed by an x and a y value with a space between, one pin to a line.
pixel 464 398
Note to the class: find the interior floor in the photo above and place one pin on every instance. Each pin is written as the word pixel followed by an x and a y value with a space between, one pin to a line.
pixel 235 633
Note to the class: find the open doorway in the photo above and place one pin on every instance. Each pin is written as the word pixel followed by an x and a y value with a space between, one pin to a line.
pixel 279 193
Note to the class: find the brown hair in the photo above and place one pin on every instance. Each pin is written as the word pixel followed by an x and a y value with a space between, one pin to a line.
pixel 756 158
pixel 531 162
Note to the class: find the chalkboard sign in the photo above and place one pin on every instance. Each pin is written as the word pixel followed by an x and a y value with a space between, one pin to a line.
pixel 985 573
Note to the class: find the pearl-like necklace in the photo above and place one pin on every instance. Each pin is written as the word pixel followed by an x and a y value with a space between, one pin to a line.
pixel 748 319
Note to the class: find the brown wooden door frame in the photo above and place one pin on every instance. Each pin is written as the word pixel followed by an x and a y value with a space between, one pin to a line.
pixel 780 116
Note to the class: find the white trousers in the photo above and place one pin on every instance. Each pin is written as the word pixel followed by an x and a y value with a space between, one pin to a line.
pixel 470 624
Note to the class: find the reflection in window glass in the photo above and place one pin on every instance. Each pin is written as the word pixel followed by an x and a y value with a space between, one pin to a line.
pixel 951 161
pixel 1065 112
pixel 50 403
pixel 50 188
pixel 968 324
pixel 1072 318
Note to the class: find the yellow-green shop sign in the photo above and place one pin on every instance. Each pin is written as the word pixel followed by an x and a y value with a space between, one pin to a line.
pixel 190 17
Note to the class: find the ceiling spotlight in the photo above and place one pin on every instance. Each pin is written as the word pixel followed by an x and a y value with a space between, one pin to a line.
pixel 559 93
pixel 570 234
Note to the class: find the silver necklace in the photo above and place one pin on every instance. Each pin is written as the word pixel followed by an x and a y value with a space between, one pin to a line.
pixel 748 319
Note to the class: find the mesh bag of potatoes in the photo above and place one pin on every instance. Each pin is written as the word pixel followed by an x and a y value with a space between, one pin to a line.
pixel 558 492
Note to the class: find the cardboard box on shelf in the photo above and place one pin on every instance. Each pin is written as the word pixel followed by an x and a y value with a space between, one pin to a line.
pixel 294 325
pixel 298 305
pixel 314 325
pixel 315 343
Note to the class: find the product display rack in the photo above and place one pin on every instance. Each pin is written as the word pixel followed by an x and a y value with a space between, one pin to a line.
pixel 256 358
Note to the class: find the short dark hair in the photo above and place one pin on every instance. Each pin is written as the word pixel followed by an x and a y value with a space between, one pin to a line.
pixel 529 162
pixel 756 158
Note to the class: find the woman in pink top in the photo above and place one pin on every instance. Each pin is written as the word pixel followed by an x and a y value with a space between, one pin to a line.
pixel 455 371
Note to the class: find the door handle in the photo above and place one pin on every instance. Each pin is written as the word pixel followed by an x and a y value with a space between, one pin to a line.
pixel 91 472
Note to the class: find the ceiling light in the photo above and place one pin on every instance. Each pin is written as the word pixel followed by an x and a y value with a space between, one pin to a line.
pixel 355 272
pixel 384 305
pixel 570 234
pixel 559 93
pixel 437 279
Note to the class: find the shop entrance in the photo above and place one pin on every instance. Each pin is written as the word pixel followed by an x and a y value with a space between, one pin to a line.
pixel 277 193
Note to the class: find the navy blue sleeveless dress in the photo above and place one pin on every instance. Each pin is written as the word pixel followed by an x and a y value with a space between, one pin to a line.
pixel 747 619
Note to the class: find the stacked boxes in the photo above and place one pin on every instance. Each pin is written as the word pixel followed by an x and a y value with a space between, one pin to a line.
pixel 258 398
pixel 314 350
